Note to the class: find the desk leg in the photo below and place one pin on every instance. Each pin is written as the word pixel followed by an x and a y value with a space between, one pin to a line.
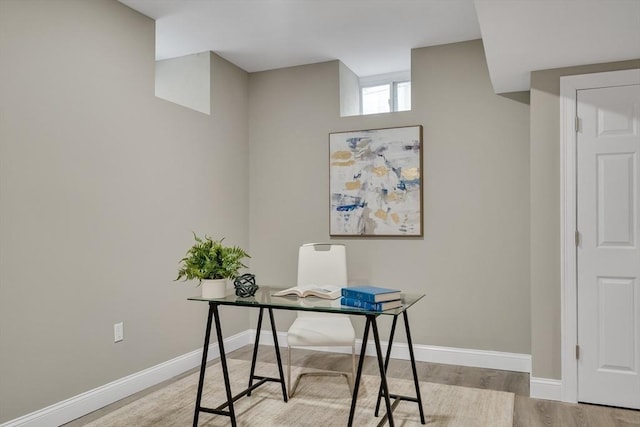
pixel 255 350
pixel 386 361
pixel 203 366
pixel 356 384
pixel 278 358
pixel 223 362
pixel 413 366
pixel 254 357
pixel 383 375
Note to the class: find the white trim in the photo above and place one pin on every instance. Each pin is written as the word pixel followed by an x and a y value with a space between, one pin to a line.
pixel 84 403
pixel 544 388
pixel 569 85
pixel 381 79
pixel 427 353
pixel 516 362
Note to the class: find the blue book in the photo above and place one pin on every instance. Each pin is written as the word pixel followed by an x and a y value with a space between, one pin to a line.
pixel 371 293
pixel 371 306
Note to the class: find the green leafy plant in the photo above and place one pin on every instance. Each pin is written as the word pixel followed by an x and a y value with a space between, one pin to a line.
pixel 210 259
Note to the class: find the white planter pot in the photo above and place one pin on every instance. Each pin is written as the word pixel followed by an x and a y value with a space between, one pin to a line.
pixel 216 288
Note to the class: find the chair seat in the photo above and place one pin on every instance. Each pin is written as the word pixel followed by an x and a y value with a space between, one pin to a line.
pixel 312 331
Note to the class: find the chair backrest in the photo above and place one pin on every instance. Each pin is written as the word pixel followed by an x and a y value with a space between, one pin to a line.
pixel 322 264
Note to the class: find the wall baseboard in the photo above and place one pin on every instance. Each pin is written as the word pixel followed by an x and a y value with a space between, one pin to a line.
pixel 82 404
pixel 426 353
pixel 544 388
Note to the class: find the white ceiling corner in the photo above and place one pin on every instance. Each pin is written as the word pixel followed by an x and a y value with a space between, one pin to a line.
pixel 376 36
pixel 524 36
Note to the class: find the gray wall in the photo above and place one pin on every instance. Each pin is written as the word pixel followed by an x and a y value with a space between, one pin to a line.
pixel 545 214
pixel 101 184
pixel 473 261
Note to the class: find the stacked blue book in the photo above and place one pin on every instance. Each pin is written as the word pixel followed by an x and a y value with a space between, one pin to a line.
pixel 371 298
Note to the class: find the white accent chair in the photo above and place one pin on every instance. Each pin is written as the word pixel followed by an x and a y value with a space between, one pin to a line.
pixel 321 264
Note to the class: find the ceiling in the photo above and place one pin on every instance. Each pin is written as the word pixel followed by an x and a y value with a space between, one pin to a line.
pixel 376 36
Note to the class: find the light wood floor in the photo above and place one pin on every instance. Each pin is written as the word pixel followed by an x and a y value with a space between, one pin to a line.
pixel 527 412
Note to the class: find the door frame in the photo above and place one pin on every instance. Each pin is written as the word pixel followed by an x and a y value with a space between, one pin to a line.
pixel 569 85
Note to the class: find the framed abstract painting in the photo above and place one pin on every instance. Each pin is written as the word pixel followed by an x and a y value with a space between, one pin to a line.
pixel 375 182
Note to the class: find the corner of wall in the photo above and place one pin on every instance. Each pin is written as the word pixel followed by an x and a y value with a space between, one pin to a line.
pixel 185 81
pixel 349 92
pixel 545 388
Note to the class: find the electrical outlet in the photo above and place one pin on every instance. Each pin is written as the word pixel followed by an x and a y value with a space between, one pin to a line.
pixel 118 332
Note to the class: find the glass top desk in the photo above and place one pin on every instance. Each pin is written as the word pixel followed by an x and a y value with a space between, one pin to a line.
pixel 264 299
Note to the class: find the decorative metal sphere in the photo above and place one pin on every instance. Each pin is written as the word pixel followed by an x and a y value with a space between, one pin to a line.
pixel 245 285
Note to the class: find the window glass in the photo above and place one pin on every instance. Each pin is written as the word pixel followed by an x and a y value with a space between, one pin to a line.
pixel 375 99
pixel 403 96
pixel 384 93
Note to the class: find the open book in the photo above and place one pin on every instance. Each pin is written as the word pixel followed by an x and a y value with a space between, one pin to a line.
pixel 320 291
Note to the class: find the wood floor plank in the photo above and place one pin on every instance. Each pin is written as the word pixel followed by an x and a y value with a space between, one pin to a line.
pixel 542 413
pixel 527 412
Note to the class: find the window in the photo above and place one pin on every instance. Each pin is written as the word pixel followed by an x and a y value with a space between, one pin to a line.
pixel 402 96
pixel 385 93
pixel 375 99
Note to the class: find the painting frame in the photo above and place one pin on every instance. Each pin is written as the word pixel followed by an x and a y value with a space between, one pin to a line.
pixel 375 182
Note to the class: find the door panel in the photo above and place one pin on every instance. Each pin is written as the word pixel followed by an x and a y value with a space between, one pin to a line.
pixel 615 199
pixel 608 150
pixel 617 308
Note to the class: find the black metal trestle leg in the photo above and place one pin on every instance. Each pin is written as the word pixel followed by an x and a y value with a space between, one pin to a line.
pixel 278 358
pixel 203 366
pixel 255 351
pixel 418 398
pixel 225 370
pixel 371 323
pixel 213 311
pixel 386 361
pixel 230 410
pixel 413 366
pixel 254 357
pixel 356 384
pixel 383 376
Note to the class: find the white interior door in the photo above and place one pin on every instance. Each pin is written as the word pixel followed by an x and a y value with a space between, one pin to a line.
pixel 608 254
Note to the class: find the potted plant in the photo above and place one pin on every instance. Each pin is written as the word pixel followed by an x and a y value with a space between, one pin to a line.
pixel 212 263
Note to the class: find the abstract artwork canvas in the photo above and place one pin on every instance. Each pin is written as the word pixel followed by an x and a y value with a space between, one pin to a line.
pixel 375 182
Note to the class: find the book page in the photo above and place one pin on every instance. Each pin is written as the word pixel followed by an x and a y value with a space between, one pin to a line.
pixel 323 291
pixel 290 291
pixel 320 291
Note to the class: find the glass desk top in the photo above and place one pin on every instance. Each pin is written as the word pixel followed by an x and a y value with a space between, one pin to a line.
pixel 264 298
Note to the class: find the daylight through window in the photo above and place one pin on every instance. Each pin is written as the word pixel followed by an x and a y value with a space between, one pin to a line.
pixel 385 93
